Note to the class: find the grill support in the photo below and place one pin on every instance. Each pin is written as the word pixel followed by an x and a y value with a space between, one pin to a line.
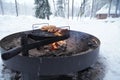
pixel 24 41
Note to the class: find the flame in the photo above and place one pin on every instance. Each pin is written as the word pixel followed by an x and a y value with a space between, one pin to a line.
pixel 56 45
pixel 57 32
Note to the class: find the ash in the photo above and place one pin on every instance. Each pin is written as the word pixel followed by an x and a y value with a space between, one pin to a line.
pixel 95 72
pixel 76 44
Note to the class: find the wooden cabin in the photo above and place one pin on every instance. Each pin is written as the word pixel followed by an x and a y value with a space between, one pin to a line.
pixel 103 12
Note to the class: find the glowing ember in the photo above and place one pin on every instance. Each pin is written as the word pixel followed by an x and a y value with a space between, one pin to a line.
pixel 58 32
pixel 57 45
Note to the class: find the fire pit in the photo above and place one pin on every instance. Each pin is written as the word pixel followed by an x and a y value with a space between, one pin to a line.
pixel 80 53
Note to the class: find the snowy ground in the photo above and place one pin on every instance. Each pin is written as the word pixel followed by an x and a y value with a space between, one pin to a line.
pixel 106 30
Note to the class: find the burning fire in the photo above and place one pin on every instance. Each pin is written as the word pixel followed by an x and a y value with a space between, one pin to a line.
pixel 58 32
pixel 56 45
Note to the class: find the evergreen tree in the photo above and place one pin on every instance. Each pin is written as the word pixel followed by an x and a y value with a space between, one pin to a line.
pixel 60 8
pixel 42 9
pixel 82 7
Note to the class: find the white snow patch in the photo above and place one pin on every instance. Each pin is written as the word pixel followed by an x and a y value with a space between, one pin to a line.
pixel 107 31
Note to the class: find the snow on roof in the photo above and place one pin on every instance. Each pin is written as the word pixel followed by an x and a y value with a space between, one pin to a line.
pixel 105 8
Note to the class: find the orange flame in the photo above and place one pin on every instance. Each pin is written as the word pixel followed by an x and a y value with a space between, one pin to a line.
pixel 57 32
pixel 56 45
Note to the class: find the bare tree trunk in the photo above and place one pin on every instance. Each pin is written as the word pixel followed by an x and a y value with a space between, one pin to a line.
pixel 83 6
pixel 79 12
pixel 68 9
pixel 92 9
pixel 119 8
pixel 95 8
pixel 72 8
pixel 117 5
pixel 47 15
pixel 65 7
pixel 54 7
pixel 1 5
pixel 16 7
pixel 109 8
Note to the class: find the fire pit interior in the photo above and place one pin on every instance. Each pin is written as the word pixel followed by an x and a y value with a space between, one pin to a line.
pixel 70 54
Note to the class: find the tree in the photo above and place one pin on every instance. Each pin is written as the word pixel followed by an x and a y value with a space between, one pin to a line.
pixel 119 8
pixel 81 11
pixel 110 2
pixel 60 8
pixel 72 8
pixel 116 10
pixel 54 6
pixel 84 1
pixel 42 9
pixel 16 7
pixel 1 5
pixel 92 10
pixel 68 9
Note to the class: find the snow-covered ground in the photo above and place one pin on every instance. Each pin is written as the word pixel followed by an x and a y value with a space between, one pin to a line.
pixel 107 31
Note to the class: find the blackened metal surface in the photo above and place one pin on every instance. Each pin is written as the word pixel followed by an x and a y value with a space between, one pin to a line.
pixel 25 47
pixel 40 35
pixel 53 65
pixel 24 41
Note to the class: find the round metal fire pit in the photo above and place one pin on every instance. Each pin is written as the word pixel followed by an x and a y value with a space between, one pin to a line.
pixel 31 67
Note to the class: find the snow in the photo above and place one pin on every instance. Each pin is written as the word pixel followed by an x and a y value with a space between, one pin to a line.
pixel 21 1
pixel 107 31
